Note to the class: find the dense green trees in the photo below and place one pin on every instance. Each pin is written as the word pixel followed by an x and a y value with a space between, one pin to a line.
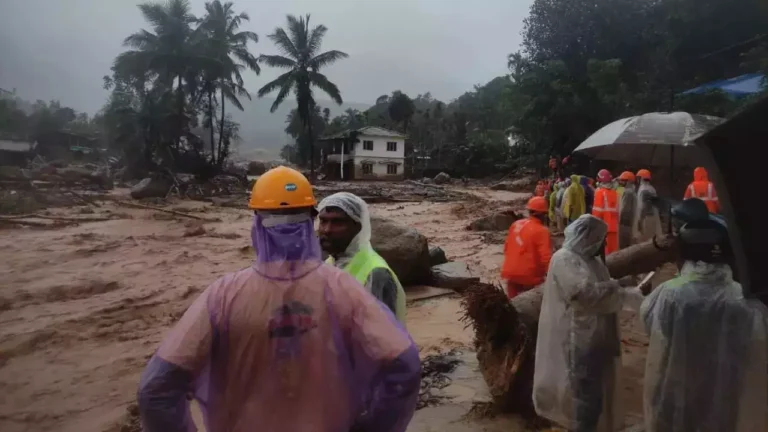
pixel 20 120
pixel 176 77
pixel 582 65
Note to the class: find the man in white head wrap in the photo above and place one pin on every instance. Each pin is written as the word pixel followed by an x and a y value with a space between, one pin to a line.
pixel 578 355
pixel 345 234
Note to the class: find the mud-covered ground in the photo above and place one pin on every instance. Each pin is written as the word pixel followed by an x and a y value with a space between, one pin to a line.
pixel 83 307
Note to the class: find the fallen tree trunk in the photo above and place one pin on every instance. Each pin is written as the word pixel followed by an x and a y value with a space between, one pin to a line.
pixel 505 331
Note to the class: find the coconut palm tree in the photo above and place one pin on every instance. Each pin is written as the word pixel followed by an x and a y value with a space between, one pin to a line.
pixel 301 56
pixel 228 47
pixel 167 53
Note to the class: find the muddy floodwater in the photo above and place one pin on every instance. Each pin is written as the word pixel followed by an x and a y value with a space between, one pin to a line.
pixel 83 307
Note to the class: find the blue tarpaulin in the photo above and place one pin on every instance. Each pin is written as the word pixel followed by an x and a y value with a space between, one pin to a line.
pixel 743 85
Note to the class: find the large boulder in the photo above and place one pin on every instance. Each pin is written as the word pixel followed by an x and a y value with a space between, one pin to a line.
pixel 498 221
pixel 405 249
pixel 151 187
pixel 256 168
pixel 442 178
pixel 453 275
pixel 524 184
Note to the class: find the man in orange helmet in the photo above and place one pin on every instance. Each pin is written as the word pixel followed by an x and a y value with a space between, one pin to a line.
pixel 285 344
pixel 527 250
pixel 703 189
pixel 606 208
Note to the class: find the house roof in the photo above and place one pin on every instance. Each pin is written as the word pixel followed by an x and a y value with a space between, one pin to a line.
pixel 17 146
pixel 380 132
pixel 367 131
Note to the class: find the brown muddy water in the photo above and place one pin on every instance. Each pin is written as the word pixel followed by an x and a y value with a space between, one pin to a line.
pixel 83 307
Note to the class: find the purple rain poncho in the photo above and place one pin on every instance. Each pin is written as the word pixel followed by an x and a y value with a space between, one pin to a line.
pixel 289 344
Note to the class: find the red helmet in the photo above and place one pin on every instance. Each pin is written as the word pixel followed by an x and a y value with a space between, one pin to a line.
pixel 537 204
pixel 604 176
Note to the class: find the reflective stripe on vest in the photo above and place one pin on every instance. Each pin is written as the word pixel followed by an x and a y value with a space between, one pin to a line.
pixel 606 207
pixel 362 264
pixel 710 193
pixel 518 228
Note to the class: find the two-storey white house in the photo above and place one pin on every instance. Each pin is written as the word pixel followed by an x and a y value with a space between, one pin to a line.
pixel 367 153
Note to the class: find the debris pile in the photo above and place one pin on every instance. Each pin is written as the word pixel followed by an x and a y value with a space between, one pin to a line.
pixel 381 192
pixel 434 376
pixel 187 186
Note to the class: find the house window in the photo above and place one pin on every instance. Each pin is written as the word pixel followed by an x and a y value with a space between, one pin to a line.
pixel 367 168
pixel 392 146
pixel 367 145
pixel 391 168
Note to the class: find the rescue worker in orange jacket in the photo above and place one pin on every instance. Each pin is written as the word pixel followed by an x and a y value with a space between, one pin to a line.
pixel 527 250
pixel 703 189
pixel 606 208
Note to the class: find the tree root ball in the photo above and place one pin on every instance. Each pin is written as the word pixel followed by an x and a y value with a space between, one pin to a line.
pixel 506 331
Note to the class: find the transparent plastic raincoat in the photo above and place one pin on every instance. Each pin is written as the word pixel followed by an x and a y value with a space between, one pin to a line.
pixel 627 216
pixel 575 382
pixel 289 344
pixel 647 214
pixel 708 353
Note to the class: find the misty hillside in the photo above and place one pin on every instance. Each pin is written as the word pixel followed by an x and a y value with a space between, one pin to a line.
pixel 263 133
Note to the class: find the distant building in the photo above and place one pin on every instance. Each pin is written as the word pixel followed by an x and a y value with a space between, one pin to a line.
pixel 15 152
pixel 366 153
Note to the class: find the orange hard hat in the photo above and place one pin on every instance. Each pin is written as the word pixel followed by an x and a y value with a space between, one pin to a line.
pixel 627 175
pixel 537 204
pixel 644 174
pixel 281 188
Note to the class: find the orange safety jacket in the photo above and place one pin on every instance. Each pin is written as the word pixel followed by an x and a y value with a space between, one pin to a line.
pixel 527 252
pixel 606 207
pixel 704 190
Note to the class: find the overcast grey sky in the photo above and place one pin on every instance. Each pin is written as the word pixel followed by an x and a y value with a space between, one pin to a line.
pixel 61 49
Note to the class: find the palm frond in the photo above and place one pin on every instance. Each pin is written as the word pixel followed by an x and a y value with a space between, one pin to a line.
pixel 284 43
pixel 315 39
pixel 277 61
pixel 141 40
pixel 244 37
pixel 298 28
pixel 154 13
pixel 321 81
pixel 281 95
pixel 245 57
pixel 326 59
pixel 284 82
pixel 229 93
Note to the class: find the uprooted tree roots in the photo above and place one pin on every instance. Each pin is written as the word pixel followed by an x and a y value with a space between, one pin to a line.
pixel 505 331
pixel 505 342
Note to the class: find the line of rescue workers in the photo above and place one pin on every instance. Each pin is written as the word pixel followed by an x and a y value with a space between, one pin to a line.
pixel 293 343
